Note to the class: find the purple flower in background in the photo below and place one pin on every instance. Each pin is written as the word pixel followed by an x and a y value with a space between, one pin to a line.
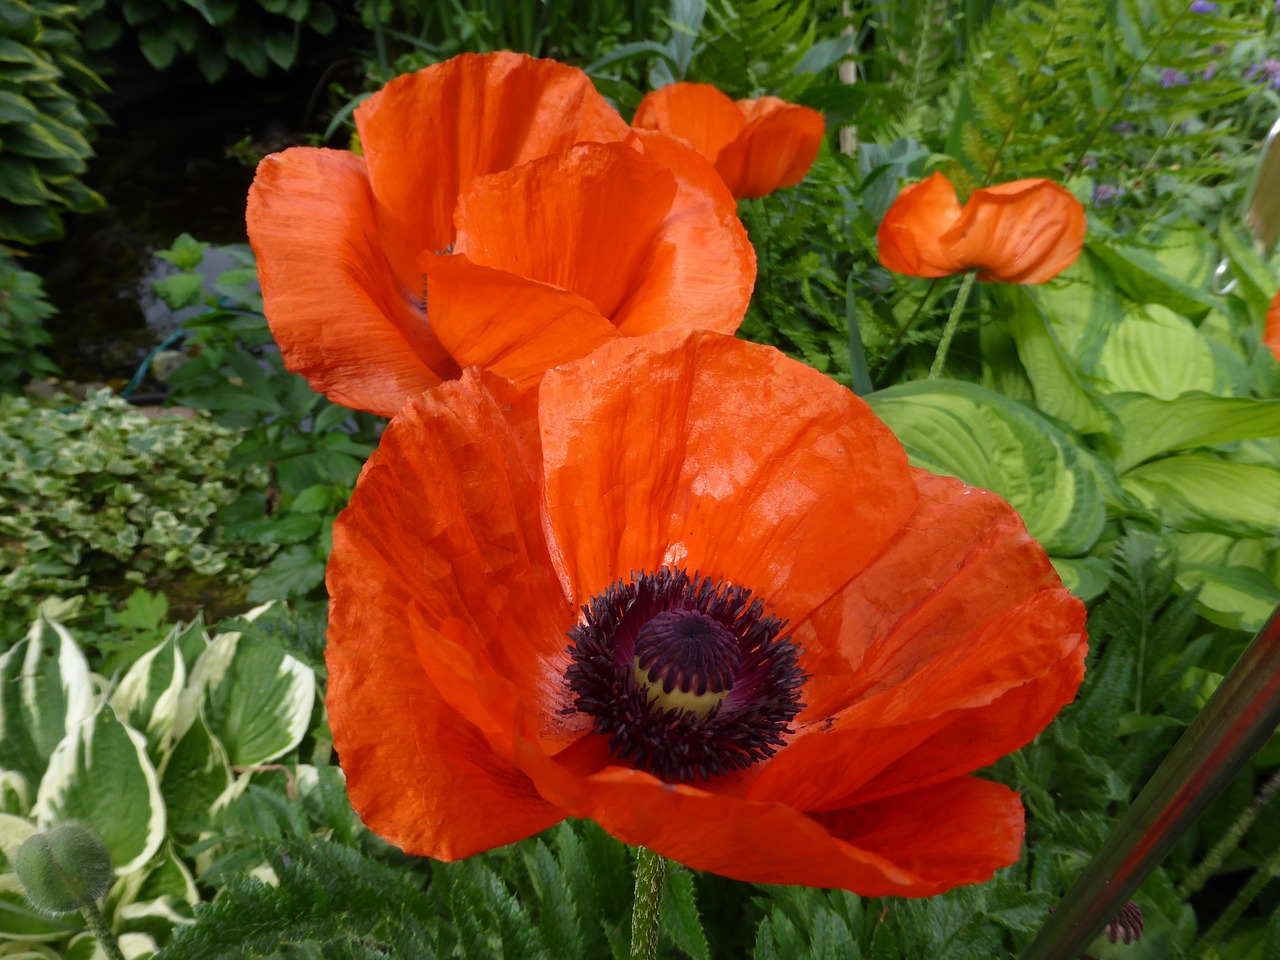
pixel 1212 68
pixel 1125 126
pixel 1172 77
pixel 1204 6
pixel 1268 71
pixel 1106 194
pixel 1090 162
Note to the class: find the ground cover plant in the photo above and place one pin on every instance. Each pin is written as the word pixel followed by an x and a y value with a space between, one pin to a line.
pixel 862 646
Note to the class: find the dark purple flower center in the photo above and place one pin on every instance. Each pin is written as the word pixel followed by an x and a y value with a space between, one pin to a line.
pixel 686 677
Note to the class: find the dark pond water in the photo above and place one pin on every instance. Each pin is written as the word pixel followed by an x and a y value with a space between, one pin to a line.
pixel 167 166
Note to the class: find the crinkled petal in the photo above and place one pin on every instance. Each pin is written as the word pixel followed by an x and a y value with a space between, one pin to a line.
pixel 428 134
pixel 909 238
pixel 721 456
pixel 442 543
pixel 774 150
pixel 1271 333
pixel 926 852
pixel 514 327
pixel 584 220
pixel 959 634
pixel 697 113
pixel 1027 231
pixel 333 302
pixel 701 268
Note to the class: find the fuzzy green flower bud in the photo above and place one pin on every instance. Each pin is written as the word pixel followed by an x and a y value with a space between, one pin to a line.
pixel 64 869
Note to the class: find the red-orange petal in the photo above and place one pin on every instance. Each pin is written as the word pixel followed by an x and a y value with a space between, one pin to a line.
pixel 1027 231
pixel 702 268
pixel 428 134
pixel 774 150
pixel 585 220
pixel 1271 333
pixel 697 113
pixel 909 237
pixel 731 459
pixel 929 850
pixel 927 644
pixel 334 306
pixel 514 327
pixel 442 543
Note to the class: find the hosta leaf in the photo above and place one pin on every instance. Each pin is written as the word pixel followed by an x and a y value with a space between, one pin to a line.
pixel 256 698
pixel 1195 492
pixel 195 774
pixel 147 698
pixel 100 775
pixel 45 692
pixel 20 921
pixel 1159 353
pixel 1239 598
pixel 966 431
pixel 1059 387
pixel 1150 426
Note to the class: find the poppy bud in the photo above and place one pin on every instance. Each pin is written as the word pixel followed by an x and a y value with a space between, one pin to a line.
pixel 64 869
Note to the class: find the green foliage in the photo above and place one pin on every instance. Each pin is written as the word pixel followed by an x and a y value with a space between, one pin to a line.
pixel 47 118
pixel 101 497
pixel 311 449
pixel 254 34
pixel 153 759
pixel 23 308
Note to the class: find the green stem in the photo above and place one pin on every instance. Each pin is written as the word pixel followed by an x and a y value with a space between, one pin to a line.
pixel 1230 840
pixel 925 302
pixel 106 939
pixel 651 875
pixel 953 321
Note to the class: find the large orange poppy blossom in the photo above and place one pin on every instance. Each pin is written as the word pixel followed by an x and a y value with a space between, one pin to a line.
pixel 757 146
pixel 340 238
pixel 1271 332
pixel 1026 231
pixel 690 589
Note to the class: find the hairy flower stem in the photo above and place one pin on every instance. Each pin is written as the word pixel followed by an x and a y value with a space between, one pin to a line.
pixel 1230 840
pixel 953 322
pixel 98 925
pixel 651 875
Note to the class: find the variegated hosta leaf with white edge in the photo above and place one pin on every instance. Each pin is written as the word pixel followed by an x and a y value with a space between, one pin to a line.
pixel 45 692
pixel 100 775
pixel 13 833
pixel 985 439
pixel 28 951
pixel 256 698
pixel 194 775
pixel 86 947
pixel 22 922
pixel 156 901
pixel 147 697
pixel 16 792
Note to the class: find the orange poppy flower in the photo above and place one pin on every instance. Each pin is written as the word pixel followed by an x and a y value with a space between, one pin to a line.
pixel 1271 332
pixel 1027 231
pixel 690 589
pixel 340 238
pixel 757 146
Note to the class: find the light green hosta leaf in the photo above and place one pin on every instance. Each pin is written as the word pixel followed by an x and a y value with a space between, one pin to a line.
pixel 1144 280
pixel 1150 426
pixel 195 774
pixel 1236 597
pixel 1060 389
pixel 28 951
pixel 147 697
pixel 1197 493
pixel 966 431
pixel 256 698
pixel 45 692
pixel 1086 577
pixel 1159 353
pixel 100 775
